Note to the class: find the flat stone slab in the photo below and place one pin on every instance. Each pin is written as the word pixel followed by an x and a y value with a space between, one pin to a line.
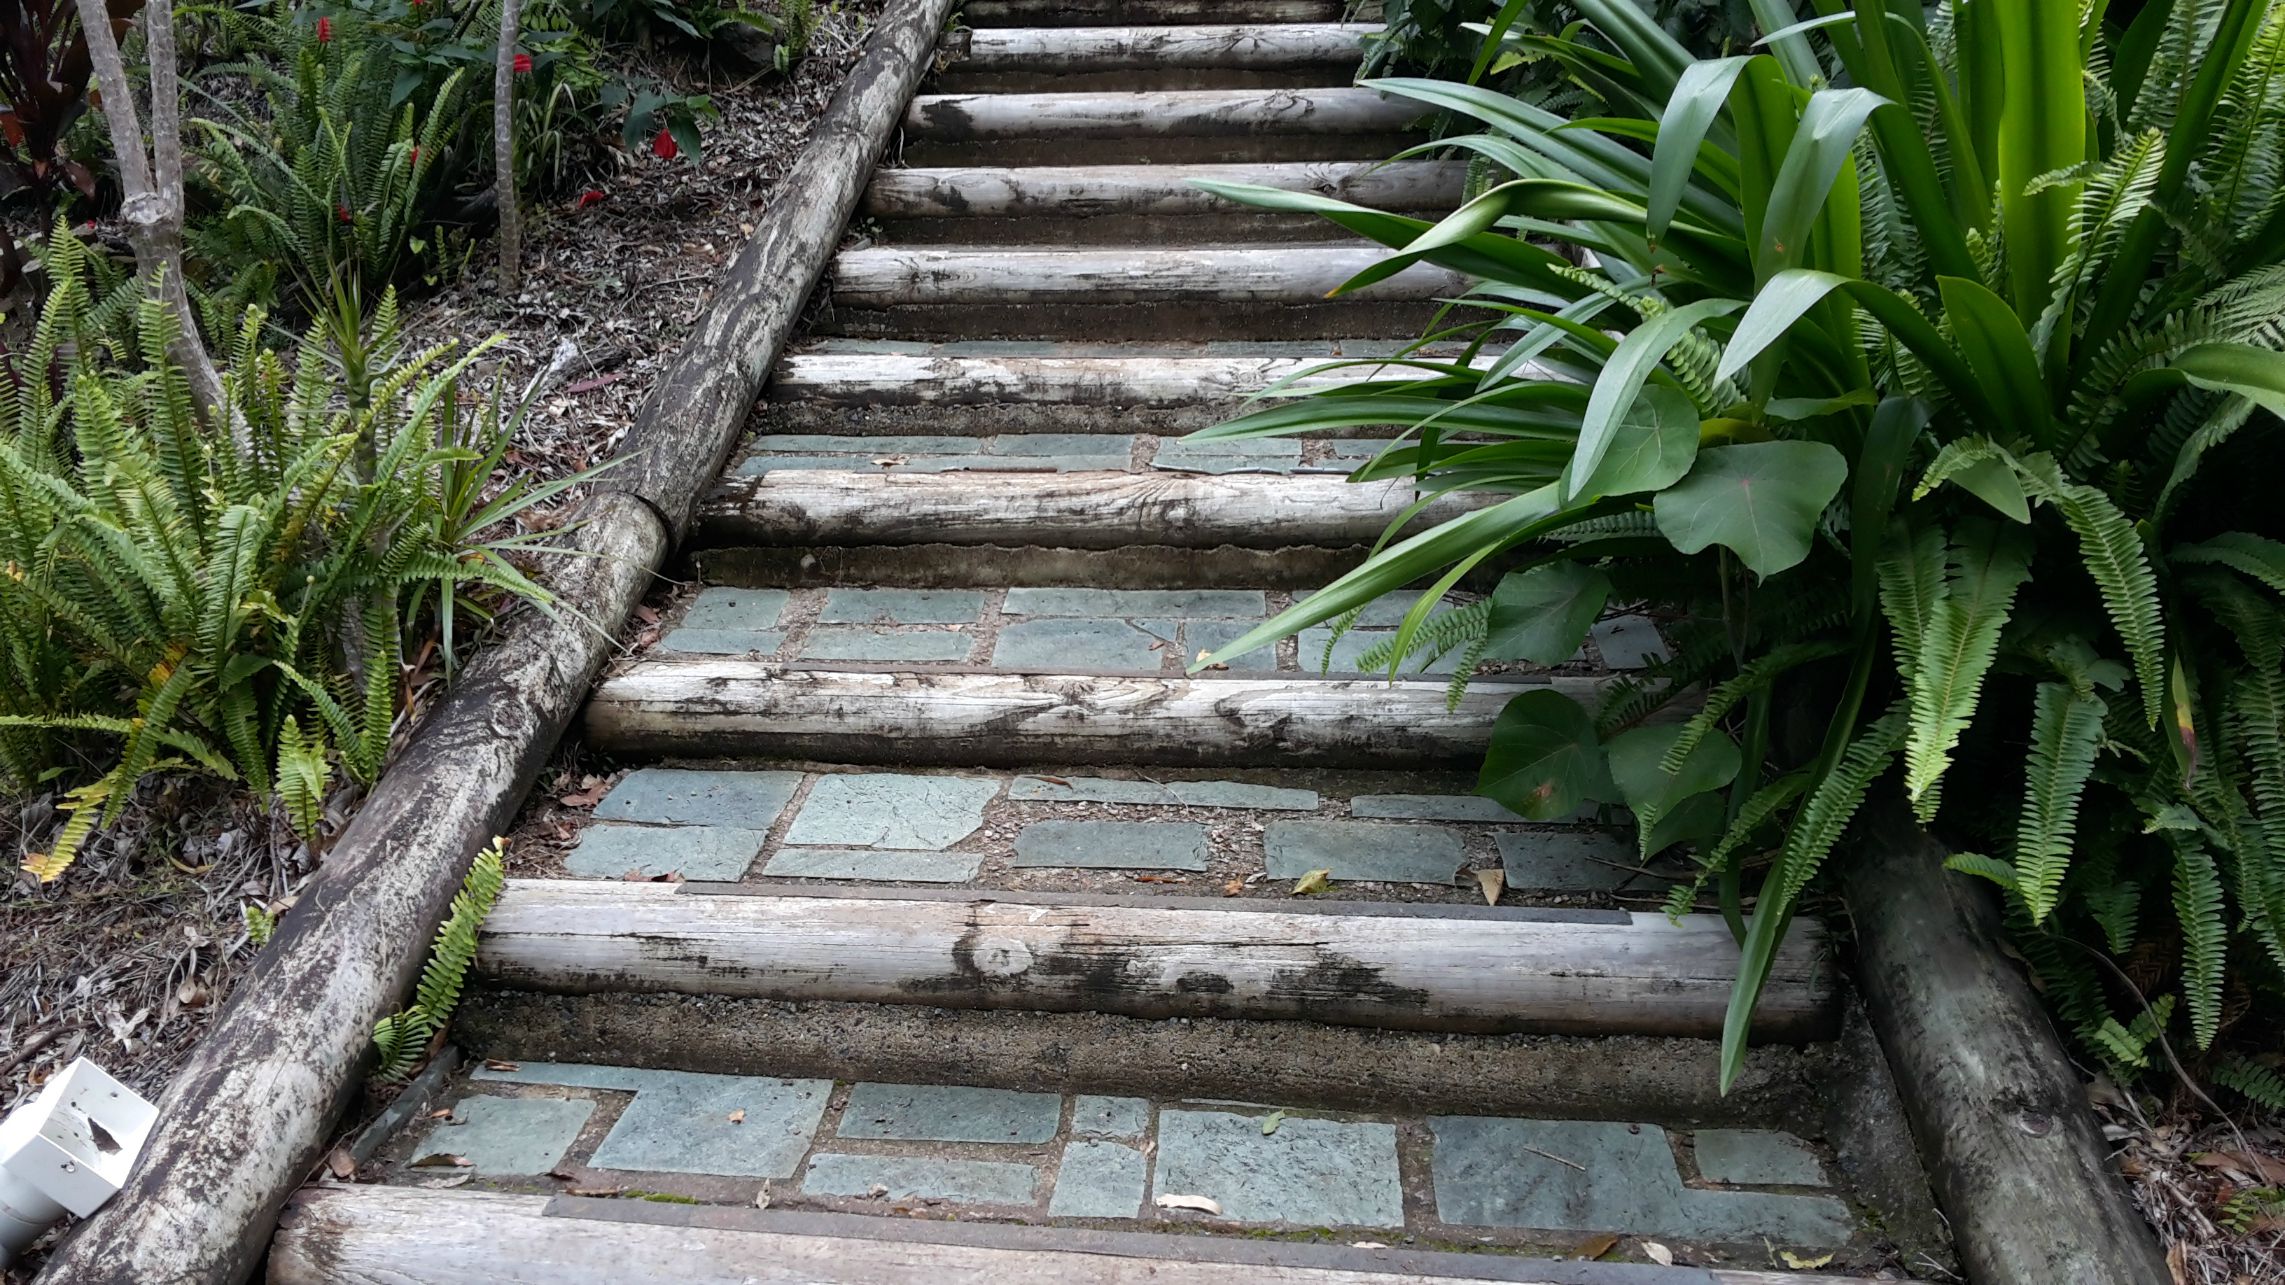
pixel 891 810
pixel 985 1182
pixel 1085 644
pixel 1620 1178
pixel 1582 858
pixel 1627 642
pixel 1316 1173
pixel 1231 455
pixel 681 796
pixel 1132 603
pixel 1100 1180
pixel 950 1113
pixel 501 1137
pixel 1211 636
pixel 873 863
pixel 722 607
pixel 902 607
pixel 611 849
pixel 1096 1116
pixel 1349 650
pixel 685 1125
pixel 1364 851
pixel 1432 807
pixel 1185 794
pixel 1756 1158
pixel 723 642
pixel 886 645
pixel 1112 845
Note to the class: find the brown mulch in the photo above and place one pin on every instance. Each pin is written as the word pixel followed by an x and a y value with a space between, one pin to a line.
pixel 2212 1185
pixel 127 957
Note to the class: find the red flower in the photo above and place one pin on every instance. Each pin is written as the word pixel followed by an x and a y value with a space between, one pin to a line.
pixel 523 63
pixel 415 157
pixel 343 212
pixel 324 30
pixel 664 147
pixel 589 197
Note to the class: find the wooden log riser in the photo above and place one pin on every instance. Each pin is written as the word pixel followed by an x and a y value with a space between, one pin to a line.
pixel 848 382
pixel 1157 47
pixel 1064 322
pixel 1104 190
pixel 960 80
pixel 1638 975
pixel 1079 510
pixel 1061 150
pixel 951 566
pixel 1271 275
pixel 1033 231
pixel 707 708
pixel 1334 112
pixel 366 1235
pixel 1104 13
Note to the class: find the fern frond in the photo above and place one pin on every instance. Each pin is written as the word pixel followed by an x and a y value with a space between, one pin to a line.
pixel 2205 938
pixel 2065 727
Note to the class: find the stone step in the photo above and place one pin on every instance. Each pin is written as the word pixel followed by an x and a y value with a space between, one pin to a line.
pixel 1222 56
pixel 982 14
pixel 958 716
pixel 1251 292
pixel 1159 127
pixel 1140 204
pixel 1247 837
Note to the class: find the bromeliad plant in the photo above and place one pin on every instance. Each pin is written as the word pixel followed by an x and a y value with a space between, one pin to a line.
pixel 1931 361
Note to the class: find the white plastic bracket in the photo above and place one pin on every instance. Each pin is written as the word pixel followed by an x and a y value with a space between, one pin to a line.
pixel 70 1148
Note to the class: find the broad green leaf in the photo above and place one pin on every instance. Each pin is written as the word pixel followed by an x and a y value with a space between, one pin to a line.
pixel 1656 442
pixel 2256 374
pixel 1761 500
pixel 2042 128
pixel 1542 615
pixel 1649 790
pixel 1544 760
pixel 1790 295
pixel 1999 350
pixel 1624 373
pixel 1698 98
pixel 1698 819
pixel 1821 145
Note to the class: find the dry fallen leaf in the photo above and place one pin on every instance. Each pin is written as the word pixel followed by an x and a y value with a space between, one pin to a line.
pixel 495 1064
pixel 738 1116
pixel 591 791
pixel 1314 881
pixel 762 1198
pixel 1234 888
pixel 594 1191
pixel 1269 1126
pixel 1595 1247
pixel 1203 1204
pixel 341 1163
pixel 1658 1253
pixel 441 1113
pixel 1493 882
pixel 1800 1264
pixel 442 1160
pixel 2270 1172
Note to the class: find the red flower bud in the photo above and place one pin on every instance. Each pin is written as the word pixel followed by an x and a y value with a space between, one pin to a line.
pixel 523 63
pixel 664 147
pixel 324 30
pixel 415 157
pixel 343 212
pixel 589 197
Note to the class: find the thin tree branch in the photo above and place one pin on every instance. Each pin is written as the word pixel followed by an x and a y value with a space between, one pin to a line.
pixel 504 147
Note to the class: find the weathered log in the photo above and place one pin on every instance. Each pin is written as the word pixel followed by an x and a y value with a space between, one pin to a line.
pixel 675 447
pixel 1079 511
pixel 1047 50
pixel 1196 112
pixel 1097 191
pixel 713 707
pixel 246 1117
pixel 372 1235
pixel 1096 13
pixel 2000 1115
pixel 1552 972
pixel 893 379
pixel 1296 274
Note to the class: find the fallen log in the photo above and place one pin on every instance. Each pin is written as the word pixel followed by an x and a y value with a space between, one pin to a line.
pixel 1302 274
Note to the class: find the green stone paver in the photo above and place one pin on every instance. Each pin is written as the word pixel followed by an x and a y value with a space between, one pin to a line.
pixel 985 1182
pixel 504 1136
pixel 723 642
pixel 1084 644
pixel 1214 635
pixel 1096 1116
pixel 902 607
pixel 1188 794
pixel 1317 1173
pixel 1627 642
pixel 718 607
pixel 1061 444
pixel 1499 1173
pixel 1112 845
pixel 1757 1158
pixel 950 1113
pixel 579 1075
pixel 1431 807
pixel 1583 858
pixel 1350 648
pixel 890 444
pixel 891 810
pixel 1130 603
pixel 1387 611
pixel 1100 1180
pixel 1362 850
pixel 708 852
pixel 830 643
pixel 684 1125
pixel 1236 455
pixel 873 863
pixel 680 796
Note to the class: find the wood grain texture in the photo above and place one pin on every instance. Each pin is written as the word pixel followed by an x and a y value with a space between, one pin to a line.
pixel 892 379
pixel 1071 510
pixel 1250 45
pixel 1521 975
pixel 374 1235
pixel 707 707
pixel 889 277
pixel 1064 13
pixel 950 118
pixel 1096 191
pixel 689 422
pixel 1999 1112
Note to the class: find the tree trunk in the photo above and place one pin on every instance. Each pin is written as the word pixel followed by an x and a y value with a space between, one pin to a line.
pixel 504 148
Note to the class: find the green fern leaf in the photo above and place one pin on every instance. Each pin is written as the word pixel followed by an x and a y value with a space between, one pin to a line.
pixel 1988 562
pixel 2198 908
pixel 2065 728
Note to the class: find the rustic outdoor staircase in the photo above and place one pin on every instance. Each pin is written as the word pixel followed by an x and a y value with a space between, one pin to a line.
pixel 943 553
